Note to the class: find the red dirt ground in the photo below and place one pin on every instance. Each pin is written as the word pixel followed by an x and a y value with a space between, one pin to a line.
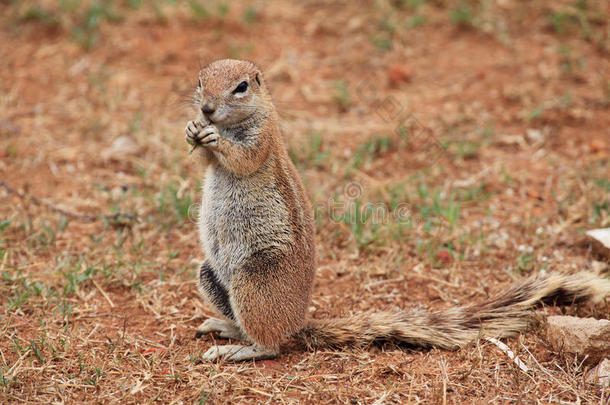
pixel 516 97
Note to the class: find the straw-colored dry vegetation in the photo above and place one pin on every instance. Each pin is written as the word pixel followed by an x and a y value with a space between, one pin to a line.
pixel 478 129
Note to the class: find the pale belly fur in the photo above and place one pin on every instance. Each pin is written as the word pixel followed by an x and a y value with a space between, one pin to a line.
pixel 238 217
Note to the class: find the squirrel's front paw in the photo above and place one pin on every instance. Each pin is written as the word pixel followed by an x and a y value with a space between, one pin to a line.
pixel 200 134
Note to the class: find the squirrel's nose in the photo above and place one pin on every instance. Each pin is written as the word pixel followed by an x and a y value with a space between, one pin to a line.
pixel 208 109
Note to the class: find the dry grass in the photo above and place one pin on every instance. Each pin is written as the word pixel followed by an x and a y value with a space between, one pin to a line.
pixel 100 306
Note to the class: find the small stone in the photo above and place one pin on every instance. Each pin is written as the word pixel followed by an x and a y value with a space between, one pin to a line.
pixel 122 146
pixel 597 145
pixel 534 136
pixel 399 73
pixel 600 239
pixel 600 374
pixel 582 336
pixel 443 256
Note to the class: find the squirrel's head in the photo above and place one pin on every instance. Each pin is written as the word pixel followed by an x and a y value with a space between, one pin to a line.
pixel 230 91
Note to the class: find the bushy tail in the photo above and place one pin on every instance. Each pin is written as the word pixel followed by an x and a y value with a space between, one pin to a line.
pixel 505 315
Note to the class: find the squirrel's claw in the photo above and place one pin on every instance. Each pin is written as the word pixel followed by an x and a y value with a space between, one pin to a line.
pixel 199 134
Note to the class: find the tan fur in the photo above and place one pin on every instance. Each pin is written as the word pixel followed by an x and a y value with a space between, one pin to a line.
pixel 256 222
pixel 504 315
pixel 256 228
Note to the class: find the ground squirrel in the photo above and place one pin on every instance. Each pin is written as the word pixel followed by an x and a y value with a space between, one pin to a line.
pixel 256 229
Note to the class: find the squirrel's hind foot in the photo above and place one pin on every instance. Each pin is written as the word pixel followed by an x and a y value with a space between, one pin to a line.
pixel 227 329
pixel 239 353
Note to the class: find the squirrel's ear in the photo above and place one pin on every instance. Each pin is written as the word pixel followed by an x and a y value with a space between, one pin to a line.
pixel 257 78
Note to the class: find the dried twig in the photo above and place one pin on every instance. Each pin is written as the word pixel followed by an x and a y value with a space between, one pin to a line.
pixel 101 290
pixel 118 217
pixel 509 353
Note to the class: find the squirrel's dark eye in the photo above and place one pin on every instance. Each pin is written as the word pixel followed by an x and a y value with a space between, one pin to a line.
pixel 241 87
